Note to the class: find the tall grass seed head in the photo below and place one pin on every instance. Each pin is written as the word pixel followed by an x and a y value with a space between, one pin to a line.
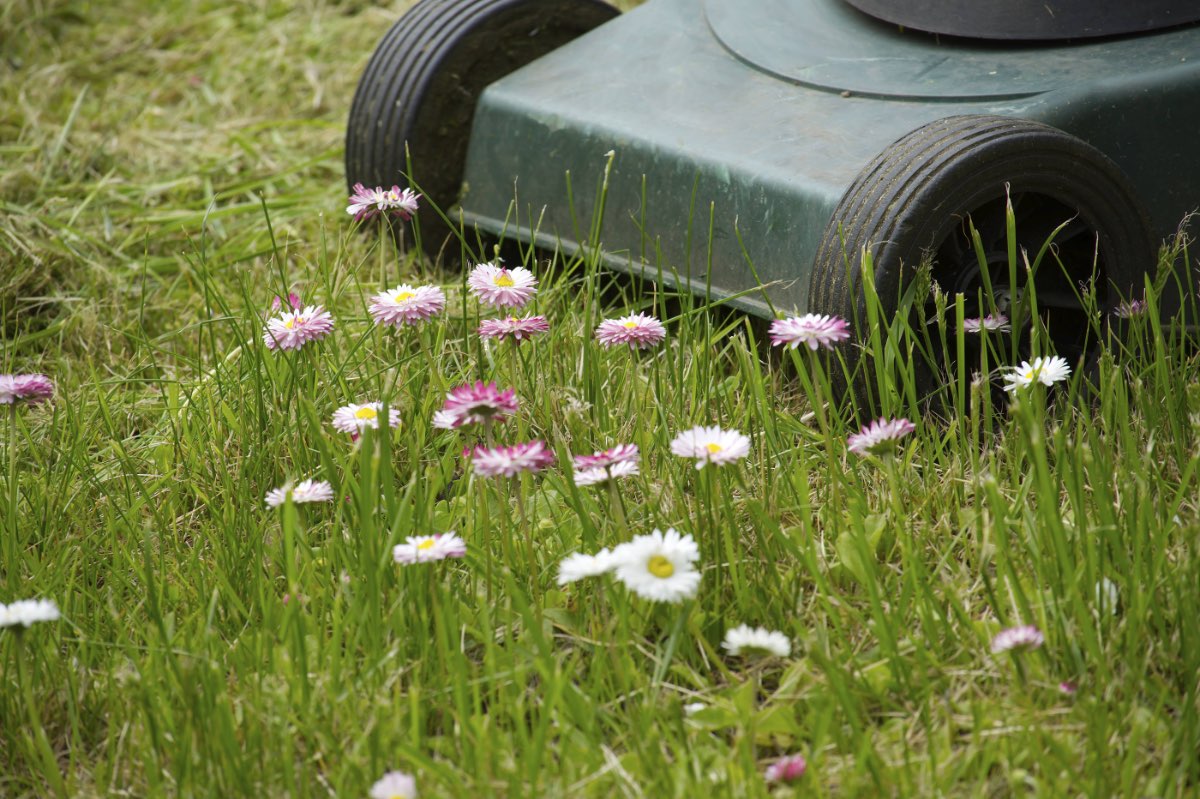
pixel 711 445
pixel 501 287
pixel 660 566
pixel 638 331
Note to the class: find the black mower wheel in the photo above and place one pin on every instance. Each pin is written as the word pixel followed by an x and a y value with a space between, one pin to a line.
pixel 423 80
pixel 914 199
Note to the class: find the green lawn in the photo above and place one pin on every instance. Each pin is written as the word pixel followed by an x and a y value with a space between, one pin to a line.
pixel 167 168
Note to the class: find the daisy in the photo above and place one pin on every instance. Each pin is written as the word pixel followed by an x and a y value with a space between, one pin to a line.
pixel 578 566
pixel 598 475
pixel 1108 596
pixel 305 491
pixel 1017 639
pixel 469 404
pixel 293 329
pixel 747 640
pixel 512 327
pixel 711 445
pixel 394 785
pixel 1067 687
pixel 639 331
pixel 622 453
pixel 500 287
pixel 407 305
pixel 398 202
pixel 879 437
pixel 996 322
pixel 27 612
pixel 29 388
pixel 293 302
pixel 1046 371
pixel 812 330
pixel 660 566
pixel 354 419
pixel 788 769
pixel 531 456
pixel 424 548
pixel 1129 308
pixel 364 202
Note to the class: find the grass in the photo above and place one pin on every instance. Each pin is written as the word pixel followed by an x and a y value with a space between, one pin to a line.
pixel 168 168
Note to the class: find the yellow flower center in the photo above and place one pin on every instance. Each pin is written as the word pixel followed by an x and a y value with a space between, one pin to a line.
pixel 512 319
pixel 630 325
pixel 402 296
pixel 713 449
pixel 426 544
pixel 504 280
pixel 1031 374
pixel 366 413
pixel 291 323
pixel 660 567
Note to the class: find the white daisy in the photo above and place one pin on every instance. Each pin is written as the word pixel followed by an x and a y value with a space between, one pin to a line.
pixel 27 612
pixel 1046 371
pixel 747 640
pixel 711 445
pixel 1017 639
pixel 354 419
pixel 601 474
pixel 660 566
pixel 425 548
pixel 578 566
pixel 394 785
pixel 305 491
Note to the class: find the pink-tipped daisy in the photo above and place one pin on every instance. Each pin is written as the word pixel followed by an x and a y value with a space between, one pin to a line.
pixel 354 418
pixel 639 331
pixel 711 445
pixel 992 322
pixel 1130 308
pixel 364 202
pixel 622 453
pixel 788 769
pixel 294 329
pixel 598 475
pixel 398 202
pixel 470 404
pixel 1046 371
pixel 879 437
pixel 425 548
pixel 500 287
pixel 514 328
pixel 305 491
pixel 811 330
pixel 1017 639
pixel 407 305
pixel 293 301
pixel 394 785
pixel 531 456
pixel 28 388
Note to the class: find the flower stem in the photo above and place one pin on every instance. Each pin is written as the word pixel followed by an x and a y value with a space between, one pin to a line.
pixel 13 558
pixel 41 742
